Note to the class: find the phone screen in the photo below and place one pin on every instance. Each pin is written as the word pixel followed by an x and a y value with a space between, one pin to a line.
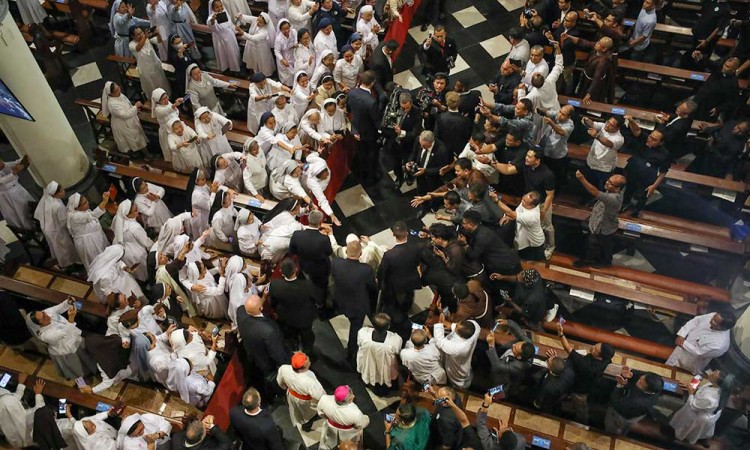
pixel 495 390
pixel 4 380
pixel 670 386
pixel 61 406
pixel 79 305
pixel 538 442
pixel 389 418
pixel 101 407
pixel 414 232
pixel 215 331
pixel 416 326
pixel 80 382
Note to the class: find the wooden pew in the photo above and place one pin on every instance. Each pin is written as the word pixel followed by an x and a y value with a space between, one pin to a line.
pixel 79 11
pixel 680 75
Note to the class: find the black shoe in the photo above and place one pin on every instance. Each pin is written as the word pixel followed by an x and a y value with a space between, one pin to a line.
pixel 635 213
pixel 600 265
pixel 424 26
pixel 582 263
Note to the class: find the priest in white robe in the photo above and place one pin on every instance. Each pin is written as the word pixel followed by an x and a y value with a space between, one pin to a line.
pixel 85 229
pixel 700 340
pixel 303 390
pixel 377 356
pixel 14 198
pixel 457 348
pixel 135 427
pixel 344 420
pixel 53 220
pixel 15 420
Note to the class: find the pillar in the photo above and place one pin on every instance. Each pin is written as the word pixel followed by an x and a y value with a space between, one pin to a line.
pixel 48 141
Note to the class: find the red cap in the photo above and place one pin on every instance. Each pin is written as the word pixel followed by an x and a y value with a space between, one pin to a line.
pixel 298 360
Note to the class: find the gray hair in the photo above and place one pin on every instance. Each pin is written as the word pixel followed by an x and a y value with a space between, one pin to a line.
pixel 404 97
pixel 315 218
pixel 537 48
pixel 691 105
pixel 427 136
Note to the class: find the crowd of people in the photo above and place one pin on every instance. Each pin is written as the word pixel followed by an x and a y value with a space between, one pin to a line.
pixel 490 170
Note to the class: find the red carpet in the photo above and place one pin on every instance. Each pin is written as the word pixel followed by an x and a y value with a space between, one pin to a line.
pixel 227 394
pixel 399 30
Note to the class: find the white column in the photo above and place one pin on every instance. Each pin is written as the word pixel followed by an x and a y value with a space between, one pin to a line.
pixel 741 332
pixel 49 141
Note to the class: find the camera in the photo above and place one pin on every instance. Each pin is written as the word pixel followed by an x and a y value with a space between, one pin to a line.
pixel 451 62
pixel 392 117
pixel 541 112
pixel 410 168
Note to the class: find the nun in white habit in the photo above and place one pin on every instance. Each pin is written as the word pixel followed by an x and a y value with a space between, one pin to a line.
pixel 259 102
pixel 247 229
pixel 183 142
pixel 200 193
pixel 325 40
pixel 169 231
pixel 195 351
pixel 93 433
pixel 136 426
pixel 132 237
pixel 163 111
pixel 147 61
pixel 327 65
pixel 333 121
pixel 226 49
pixel 259 40
pixel 109 273
pixel 148 200
pixel 300 13
pixel 266 136
pixel 14 198
pixel 160 357
pixel 287 147
pixel 222 220
pixel 277 229
pixel 85 229
pixel 302 95
pixel 126 127
pixel 368 27
pixel 309 128
pixel 304 54
pixel 284 45
pixel 207 295
pixel 277 9
pixel 286 183
pixel 159 17
pixel 696 420
pixel 228 169
pixel 192 387
pixel 15 420
pixel 212 128
pixel 53 220
pixel 283 112
pixel 315 178
pixel 239 286
pixel 254 176
pixel 201 86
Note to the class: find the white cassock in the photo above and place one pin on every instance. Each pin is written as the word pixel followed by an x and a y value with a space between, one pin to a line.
pixel 64 341
pixel 254 176
pixel 15 420
pixel 200 357
pixel 255 109
pixel 284 50
pixel 276 235
pixel 372 253
pixel 240 287
pixel 457 353
pixel 349 416
pixel 314 185
pixel 31 11
pixel 155 212
pixel 701 345
pixel 103 438
pixel 247 233
pixel 133 238
pixel 259 41
pixel 107 274
pixel 424 364
pixel 86 231
pixel 151 424
pixel 302 57
pixel 231 175
pixel 218 144
pixel 149 67
pixel 225 44
pixel 14 198
pixel 303 390
pixel 53 220
pixel 377 362
pixel 324 42
pixel 213 302
pixel 159 18
pixel 222 225
pixel 697 417
pixel 200 199
pixel 163 114
pixel 126 126
pixel 184 159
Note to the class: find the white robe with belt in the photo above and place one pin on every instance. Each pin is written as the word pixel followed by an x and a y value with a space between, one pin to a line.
pixel 701 345
pixel 149 68
pixel 347 415
pixel 303 383
pixel 87 234
pixel 119 281
pixel 201 200
pixel 126 127
pixel 377 362
pixel 255 109
pixel 14 198
pixel 225 44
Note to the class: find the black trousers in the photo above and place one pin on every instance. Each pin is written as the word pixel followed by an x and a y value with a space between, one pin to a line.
pixel 366 165
pixel 559 168
pixel 599 248
pixel 299 338
pixel 355 324
pixel 639 178
pixel 432 10
pixel 397 306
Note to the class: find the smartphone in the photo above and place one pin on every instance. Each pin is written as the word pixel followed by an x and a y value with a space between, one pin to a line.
pixel 80 382
pixel 171 320
pixel 671 386
pixel 4 380
pixel 561 320
pixel 536 349
pixel 215 331
pixel 440 401
pixel 78 305
pixel 186 98
pixel 101 407
pixel 495 390
pixel 389 417
pixel 494 328
pixel 416 326
pixel 151 30
pixel 61 405
pixel 193 139
pixel 414 232
pixel 539 442
pixel 696 381
pixel 426 386
pixel 493 433
pixel 504 294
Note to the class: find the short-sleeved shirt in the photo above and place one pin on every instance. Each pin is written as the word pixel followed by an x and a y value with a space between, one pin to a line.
pixel 644 26
pixel 529 231
pixel 603 218
pixel 539 178
pixel 601 157
pixel 556 145
pixel 649 160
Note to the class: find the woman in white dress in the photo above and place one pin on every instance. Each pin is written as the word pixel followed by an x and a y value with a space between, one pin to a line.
pixel 222 34
pixel 266 136
pixel 222 220
pixel 159 17
pixel 315 178
pixel 200 192
pixel 126 127
pixel 260 94
pixel 304 54
pixel 302 95
pixel 247 229
pixel 163 111
pixel 696 420
pixel 300 13
pixel 284 113
pixel 326 90
pixel 286 182
pixel 201 86
pixel 326 66
pixel 211 128
pixel 348 69
pixel 109 273
pixel 276 231
pixel 228 169
pixel 277 10
pixel 14 198
pixel 260 39
pixel 84 227
pixel 309 130
pixel 325 40
pixel 132 237
pixel 254 176
pixel 123 19
pixel 368 27
pixel 147 61
pixel 31 11
pixel 53 220
pixel 287 147
pixel 285 43
pixel 332 120
pixel 148 200
pixel 207 296
pixel 172 228
pixel 183 142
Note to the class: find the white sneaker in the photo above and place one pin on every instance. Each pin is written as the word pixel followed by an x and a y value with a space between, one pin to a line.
pixel 548 252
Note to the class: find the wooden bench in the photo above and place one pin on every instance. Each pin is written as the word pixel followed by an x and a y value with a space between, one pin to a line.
pixel 79 11
pixel 657 72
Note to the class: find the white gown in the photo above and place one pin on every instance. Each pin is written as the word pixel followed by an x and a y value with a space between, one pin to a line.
pixel 211 304
pixel 159 18
pixel 201 200
pixel 247 237
pixel 56 232
pixel 14 199
pixel 156 212
pixel 276 235
pixel 163 114
pixel 152 423
pixel 225 45
pixel 697 419
pixel 348 415
pixel 239 290
pixel 701 345
pixel 257 54
pixel 87 234
pixel 254 175
pixel 323 43
pixel 303 383
pixel 104 437
pixel 149 68
pixel 302 57
pixel 300 16
pixel 222 225
pixel 255 109
pixel 377 362
pixel 185 159
pixel 136 244
pixel 284 49
pixel 16 422
pixel 313 185
pixel 231 176
pixel 219 144
pixel 203 94
pixel 369 37
pixel 126 126
pixel 118 281
pixel 286 116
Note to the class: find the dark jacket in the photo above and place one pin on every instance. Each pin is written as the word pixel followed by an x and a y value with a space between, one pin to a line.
pixel 257 432
pixel 215 440
pixel 553 388
pixel 439 158
pixel 411 125
pixel 505 87
pixel 435 58
pixel 354 286
pixel 379 64
pixel 487 247
pixel 294 302
pixel 454 130
pixel 313 250
pixel 398 269
pixel 263 341
pixel 508 370
pixel 675 133
pixel 365 113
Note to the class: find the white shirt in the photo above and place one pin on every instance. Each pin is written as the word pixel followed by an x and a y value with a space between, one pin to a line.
pixel 457 352
pixel 531 68
pixel 529 231
pixel 424 364
pixel 701 345
pixel 601 157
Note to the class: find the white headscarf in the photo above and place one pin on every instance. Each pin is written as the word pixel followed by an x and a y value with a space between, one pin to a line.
pixel 43 212
pixel 242 217
pixel 177 340
pixel 269 28
pixel 323 56
pixel 315 165
pixel 328 101
pixel 188 78
pixel 126 424
pixel 295 84
pixel 73 202
pixel 118 223
pixel 285 169
pixel 172 122
pixel 155 98
pixel 199 112
pixel 179 243
pixel 104 431
pixel 193 273
pixel 363 10
pixel 105 261
pixel 105 98
pixel 234 266
pixel 177 378
pixel 246 146
pixel 171 228
pixel 292 32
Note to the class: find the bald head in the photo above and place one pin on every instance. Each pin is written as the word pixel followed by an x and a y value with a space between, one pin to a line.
pixel 347 445
pixel 353 250
pixel 253 305
pixel 615 183
pixel 604 44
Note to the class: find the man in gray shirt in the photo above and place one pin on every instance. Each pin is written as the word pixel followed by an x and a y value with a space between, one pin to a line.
pixel 558 127
pixel 603 222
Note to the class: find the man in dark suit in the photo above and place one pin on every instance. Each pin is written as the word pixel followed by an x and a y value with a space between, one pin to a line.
pixel 512 360
pixel 400 143
pixel 201 435
pixel 486 247
pixel 263 343
pixel 438 53
pixel 451 127
pixel 255 426
pixel 354 289
pixel 366 115
pixel 399 278
pixel 555 384
pixel 294 300
pixel 675 127
pixel 427 158
pixel 381 62
pixel 313 251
